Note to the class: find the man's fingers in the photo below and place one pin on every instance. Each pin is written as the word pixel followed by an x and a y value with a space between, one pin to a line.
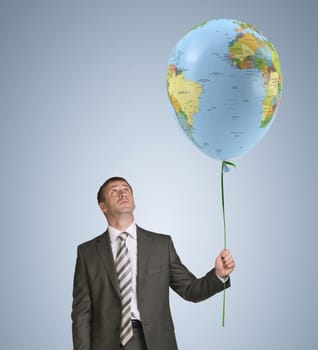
pixel 227 260
pixel 230 265
pixel 225 253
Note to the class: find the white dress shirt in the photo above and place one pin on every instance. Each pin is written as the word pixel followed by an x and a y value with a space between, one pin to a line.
pixel 132 252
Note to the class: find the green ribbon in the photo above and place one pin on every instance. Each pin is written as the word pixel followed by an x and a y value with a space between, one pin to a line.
pixel 224 168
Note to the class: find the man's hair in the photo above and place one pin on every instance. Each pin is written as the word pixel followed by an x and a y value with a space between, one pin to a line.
pixel 100 193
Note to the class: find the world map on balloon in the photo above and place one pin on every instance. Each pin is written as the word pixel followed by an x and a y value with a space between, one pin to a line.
pixel 224 83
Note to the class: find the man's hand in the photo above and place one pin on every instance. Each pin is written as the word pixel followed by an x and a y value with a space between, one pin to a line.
pixel 224 263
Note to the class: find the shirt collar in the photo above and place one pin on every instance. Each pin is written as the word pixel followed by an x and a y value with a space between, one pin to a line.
pixel 113 232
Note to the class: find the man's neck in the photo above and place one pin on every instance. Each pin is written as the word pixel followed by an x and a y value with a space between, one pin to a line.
pixel 121 223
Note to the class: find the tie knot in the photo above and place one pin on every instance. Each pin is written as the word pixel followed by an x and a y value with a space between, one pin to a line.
pixel 123 236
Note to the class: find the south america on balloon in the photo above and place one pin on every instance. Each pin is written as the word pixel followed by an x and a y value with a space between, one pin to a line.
pixel 224 82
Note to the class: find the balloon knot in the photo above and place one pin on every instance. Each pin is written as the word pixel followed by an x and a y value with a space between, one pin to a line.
pixel 226 166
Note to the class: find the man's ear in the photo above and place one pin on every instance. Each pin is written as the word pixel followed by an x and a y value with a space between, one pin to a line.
pixel 102 207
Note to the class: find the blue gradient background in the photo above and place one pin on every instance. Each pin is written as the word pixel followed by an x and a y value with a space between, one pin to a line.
pixel 83 97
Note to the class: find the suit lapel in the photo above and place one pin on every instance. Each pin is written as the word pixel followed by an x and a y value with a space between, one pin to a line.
pixel 106 255
pixel 144 243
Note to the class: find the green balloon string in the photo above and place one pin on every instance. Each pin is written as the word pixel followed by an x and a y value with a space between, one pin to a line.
pixel 224 168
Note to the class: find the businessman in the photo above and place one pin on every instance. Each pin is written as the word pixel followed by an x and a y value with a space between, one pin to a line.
pixel 122 280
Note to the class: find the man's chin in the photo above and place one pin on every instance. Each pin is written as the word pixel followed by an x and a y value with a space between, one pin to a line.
pixel 126 209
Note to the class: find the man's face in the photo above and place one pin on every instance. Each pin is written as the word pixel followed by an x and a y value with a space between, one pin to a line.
pixel 118 199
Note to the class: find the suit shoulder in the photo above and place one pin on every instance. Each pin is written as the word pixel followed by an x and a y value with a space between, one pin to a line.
pixel 154 235
pixel 91 242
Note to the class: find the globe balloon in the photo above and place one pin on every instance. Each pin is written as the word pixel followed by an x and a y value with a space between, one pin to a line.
pixel 224 83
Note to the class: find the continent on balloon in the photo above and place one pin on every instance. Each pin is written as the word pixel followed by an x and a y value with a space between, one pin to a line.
pixel 224 83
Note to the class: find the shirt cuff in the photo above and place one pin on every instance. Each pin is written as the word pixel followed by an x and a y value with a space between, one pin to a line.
pixel 222 279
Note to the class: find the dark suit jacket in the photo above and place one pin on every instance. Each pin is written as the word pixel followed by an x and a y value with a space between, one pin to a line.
pixel 96 298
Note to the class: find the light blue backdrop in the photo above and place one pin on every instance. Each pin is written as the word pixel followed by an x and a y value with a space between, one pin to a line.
pixel 83 97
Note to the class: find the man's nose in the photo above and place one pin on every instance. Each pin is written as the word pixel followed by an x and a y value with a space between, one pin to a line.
pixel 122 194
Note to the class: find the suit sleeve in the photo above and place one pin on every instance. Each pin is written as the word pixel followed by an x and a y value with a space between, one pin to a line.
pixel 187 285
pixel 81 308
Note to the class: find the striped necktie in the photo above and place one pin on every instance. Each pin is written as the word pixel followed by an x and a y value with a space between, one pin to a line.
pixel 123 269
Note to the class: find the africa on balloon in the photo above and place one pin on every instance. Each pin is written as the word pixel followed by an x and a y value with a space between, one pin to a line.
pixel 224 82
